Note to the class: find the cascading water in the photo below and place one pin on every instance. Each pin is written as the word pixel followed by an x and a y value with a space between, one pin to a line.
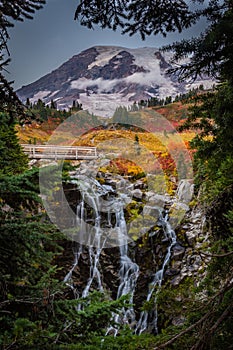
pixel 94 253
pixel 68 277
pixel 77 250
pixel 92 191
pixel 128 275
pixel 144 323
pixel 96 242
pixel 112 209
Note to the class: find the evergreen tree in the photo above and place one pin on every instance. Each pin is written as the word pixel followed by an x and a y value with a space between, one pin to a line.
pixel 76 106
pixel 134 107
pixel 12 158
pixel 168 100
pixel 209 318
pixel 138 16
pixel 142 104
pixel 211 51
pixel 53 105
pixel 34 313
pixel 11 11
pixel 153 101
pixel 121 115
pixel 28 103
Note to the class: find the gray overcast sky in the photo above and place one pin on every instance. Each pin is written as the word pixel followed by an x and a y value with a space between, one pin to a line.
pixel 40 45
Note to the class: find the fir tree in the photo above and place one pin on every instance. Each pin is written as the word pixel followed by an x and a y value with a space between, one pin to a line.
pixel 53 105
pixel 12 158
pixel 11 11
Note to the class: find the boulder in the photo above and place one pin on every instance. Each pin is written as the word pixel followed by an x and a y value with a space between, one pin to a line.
pixel 157 199
pixel 137 193
pixel 185 191
pixel 151 211
pixel 190 237
pixel 139 184
pixel 177 213
pixel 178 252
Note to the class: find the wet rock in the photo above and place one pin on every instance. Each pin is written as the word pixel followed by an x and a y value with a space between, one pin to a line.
pixel 148 195
pixel 124 187
pixel 86 171
pixel 140 184
pixel 157 199
pixel 176 264
pixel 157 249
pixel 111 182
pixel 172 271
pixel 178 252
pixel 150 244
pixel 137 193
pixel 177 280
pixel 194 268
pixel 104 162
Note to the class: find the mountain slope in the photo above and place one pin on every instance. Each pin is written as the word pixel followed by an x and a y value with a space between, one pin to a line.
pixel 104 77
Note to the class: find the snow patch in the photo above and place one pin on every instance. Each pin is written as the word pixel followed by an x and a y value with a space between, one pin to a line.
pixel 104 96
pixel 105 54
pixel 143 57
pixel 54 93
pixel 40 95
pixel 104 105
pixel 207 84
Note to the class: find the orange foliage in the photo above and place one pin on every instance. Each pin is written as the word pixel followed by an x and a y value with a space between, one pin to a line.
pixel 124 167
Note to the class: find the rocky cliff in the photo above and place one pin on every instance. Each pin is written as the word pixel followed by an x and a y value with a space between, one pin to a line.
pixel 157 256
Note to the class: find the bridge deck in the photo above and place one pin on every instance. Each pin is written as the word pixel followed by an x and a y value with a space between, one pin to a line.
pixel 59 152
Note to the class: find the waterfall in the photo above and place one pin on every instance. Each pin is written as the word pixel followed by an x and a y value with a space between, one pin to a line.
pixel 77 250
pixel 101 206
pixel 144 323
pixel 68 277
pixel 92 191
pixel 96 243
pixel 128 274
pixel 94 252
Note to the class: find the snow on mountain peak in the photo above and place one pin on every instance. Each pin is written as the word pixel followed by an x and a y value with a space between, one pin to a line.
pixel 104 77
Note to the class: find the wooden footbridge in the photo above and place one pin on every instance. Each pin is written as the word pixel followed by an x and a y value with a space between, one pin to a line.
pixel 57 152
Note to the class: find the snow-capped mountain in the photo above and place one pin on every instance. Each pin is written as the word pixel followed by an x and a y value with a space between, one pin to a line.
pixel 104 77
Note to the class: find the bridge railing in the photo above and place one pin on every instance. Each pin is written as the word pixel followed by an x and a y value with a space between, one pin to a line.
pixel 59 152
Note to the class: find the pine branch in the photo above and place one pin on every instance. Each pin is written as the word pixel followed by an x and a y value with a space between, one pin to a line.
pixel 216 255
pixel 227 286
pixel 185 331
pixel 224 315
